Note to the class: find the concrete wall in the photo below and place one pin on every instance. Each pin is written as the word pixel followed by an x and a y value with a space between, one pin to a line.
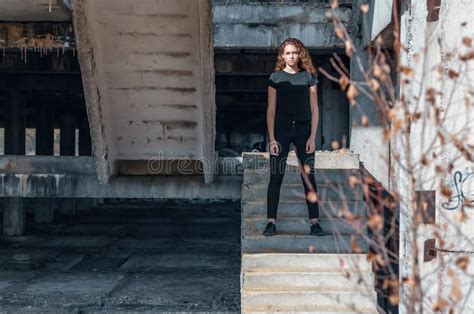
pixel 433 49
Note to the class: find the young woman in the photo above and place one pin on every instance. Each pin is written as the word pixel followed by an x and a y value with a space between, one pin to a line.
pixel 292 117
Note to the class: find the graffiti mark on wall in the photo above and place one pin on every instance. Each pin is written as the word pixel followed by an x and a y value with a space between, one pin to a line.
pixel 461 193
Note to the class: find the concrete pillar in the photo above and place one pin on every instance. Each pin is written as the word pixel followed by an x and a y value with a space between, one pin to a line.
pixel 45 129
pixel 44 210
pixel 67 207
pixel 67 141
pixel 13 216
pixel 15 124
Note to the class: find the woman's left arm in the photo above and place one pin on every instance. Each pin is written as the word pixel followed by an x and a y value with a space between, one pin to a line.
pixel 313 98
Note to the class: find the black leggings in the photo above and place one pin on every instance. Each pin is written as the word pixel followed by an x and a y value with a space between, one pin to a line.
pixel 287 132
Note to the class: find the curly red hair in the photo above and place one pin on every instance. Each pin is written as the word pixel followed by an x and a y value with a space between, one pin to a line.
pixel 304 61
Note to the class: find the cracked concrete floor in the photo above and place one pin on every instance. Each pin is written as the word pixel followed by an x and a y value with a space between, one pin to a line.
pixel 145 257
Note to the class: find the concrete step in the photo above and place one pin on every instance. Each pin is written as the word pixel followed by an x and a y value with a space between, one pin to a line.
pixel 299 209
pixel 259 301
pixel 292 176
pixel 280 262
pixel 301 226
pixel 290 192
pixel 308 281
pixel 286 243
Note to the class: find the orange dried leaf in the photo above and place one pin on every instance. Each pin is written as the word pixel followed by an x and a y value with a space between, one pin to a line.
pixel 446 191
pixel 453 74
pixel 349 48
pixel 375 222
pixel 467 41
pixel 431 94
pixel 409 281
pixel 440 305
pixel 461 215
pixel 353 181
pixel 416 116
pixel 364 120
pixel 377 71
pixel 467 56
pixel 352 93
pixel 397 124
pixel 462 262
pixel 394 299
pixel 455 294
pixel 408 71
pixel 387 134
pixel 374 85
pixel 344 82
pixel 354 245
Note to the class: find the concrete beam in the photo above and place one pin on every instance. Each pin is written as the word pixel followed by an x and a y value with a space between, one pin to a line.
pixel 67 176
pixel 261 25
pixel 13 216
pixel 158 187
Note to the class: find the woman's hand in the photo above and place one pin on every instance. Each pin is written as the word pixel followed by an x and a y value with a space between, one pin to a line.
pixel 274 148
pixel 310 146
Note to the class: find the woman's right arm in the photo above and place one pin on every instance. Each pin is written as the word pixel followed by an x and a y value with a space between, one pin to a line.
pixel 271 109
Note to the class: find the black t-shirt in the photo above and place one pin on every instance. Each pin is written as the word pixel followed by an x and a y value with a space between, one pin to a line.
pixel 292 94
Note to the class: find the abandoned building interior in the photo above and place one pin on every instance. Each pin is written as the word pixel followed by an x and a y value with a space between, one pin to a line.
pixel 134 158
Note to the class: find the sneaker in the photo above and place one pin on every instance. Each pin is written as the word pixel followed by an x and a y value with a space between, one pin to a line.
pixel 270 229
pixel 316 230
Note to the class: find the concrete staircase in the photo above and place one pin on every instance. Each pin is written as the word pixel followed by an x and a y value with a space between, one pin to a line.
pixel 276 274
pixel 340 203
pixel 312 283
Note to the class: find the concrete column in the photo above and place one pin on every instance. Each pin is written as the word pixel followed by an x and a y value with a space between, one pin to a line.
pixel 44 210
pixel 68 134
pixel 15 124
pixel 13 216
pixel 44 129
pixel 67 207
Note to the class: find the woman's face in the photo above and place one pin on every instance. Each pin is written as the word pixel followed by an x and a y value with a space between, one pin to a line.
pixel 291 55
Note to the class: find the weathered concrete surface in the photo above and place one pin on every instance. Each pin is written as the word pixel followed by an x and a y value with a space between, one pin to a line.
pixel 161 256
pixel 148 78
pixel 339 193
pixel 50 176
pixel 433 51
pixel 264 25
pixel 34 10
pixel 176 187
pixel 323 283
pixel 340 160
